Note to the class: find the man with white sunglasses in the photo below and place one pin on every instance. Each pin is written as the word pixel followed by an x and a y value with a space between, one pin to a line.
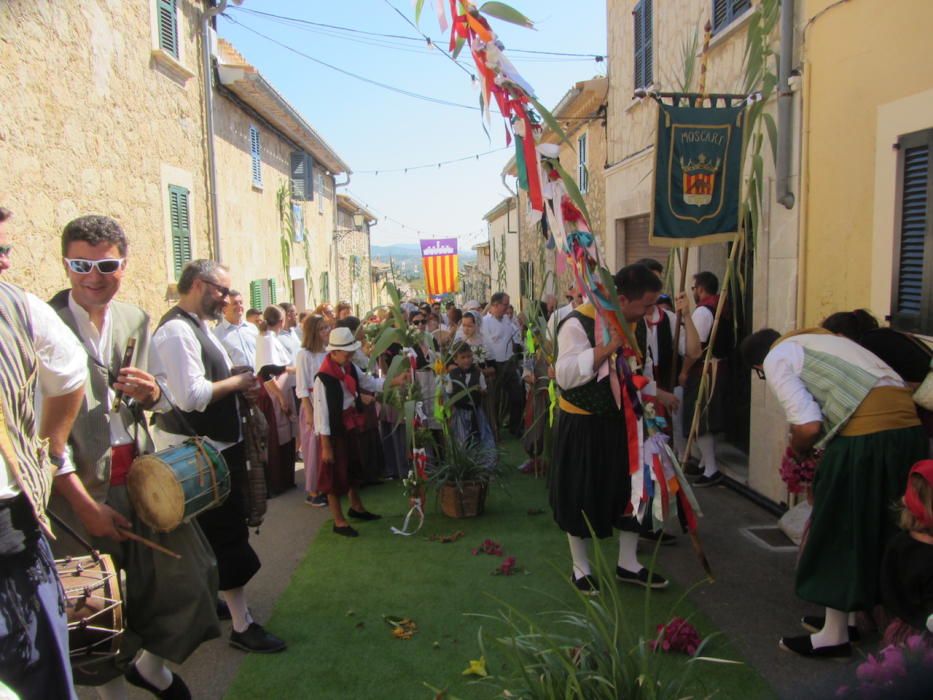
pixel 170 604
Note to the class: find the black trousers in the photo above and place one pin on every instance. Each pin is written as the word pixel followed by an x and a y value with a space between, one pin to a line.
pixel 510 396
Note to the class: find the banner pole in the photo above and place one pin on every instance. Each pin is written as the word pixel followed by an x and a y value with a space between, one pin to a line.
pixel 684 257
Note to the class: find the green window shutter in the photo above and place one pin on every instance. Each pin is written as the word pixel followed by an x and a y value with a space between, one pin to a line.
pixel 642 33
pixel 302 176
pixel 255 294
pixel 724 11
pixel 180 218
pixel 256 155
pixel 273 297
pixel 325 287
pixel 168 26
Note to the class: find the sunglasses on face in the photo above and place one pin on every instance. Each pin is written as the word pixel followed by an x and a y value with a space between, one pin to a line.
pixel 224 291
pixel 5 250
pixel 107 266
pixel 418 323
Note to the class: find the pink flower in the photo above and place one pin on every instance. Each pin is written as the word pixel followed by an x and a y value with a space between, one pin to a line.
pixel 677 635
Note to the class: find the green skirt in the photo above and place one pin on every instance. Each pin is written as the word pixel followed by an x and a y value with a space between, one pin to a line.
pixel 858 484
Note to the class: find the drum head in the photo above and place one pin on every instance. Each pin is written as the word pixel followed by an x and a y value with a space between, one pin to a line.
pixel 156 495
pixel 93 606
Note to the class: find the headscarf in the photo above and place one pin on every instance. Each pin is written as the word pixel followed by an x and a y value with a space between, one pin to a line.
pixel 917 508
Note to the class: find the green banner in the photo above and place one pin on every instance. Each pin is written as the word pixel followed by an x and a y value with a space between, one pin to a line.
pixel 698 167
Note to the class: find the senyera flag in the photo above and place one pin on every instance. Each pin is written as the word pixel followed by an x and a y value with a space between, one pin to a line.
pixel 439 257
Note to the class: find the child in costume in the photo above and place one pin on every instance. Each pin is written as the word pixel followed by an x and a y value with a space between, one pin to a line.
pixel 338 420
pixel 316 330
pixel 468 421
pixel 907 568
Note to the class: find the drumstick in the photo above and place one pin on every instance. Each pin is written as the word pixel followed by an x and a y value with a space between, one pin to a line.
pixel 127 359
pixel 129 534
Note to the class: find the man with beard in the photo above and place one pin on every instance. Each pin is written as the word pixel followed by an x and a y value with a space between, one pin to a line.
pixel 196 371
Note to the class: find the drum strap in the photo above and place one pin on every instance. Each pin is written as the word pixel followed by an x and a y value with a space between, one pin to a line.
pixel 95 555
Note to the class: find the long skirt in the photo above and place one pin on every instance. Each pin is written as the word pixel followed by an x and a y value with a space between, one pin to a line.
pixel 858 482
pixel 310 451
pixel 469 425
pixel 371 454
pixel 590 478
pixel 170 605
pixel 345 472
pixel 394 448
pixel 536 417
pixel 225 526
pixel 280 465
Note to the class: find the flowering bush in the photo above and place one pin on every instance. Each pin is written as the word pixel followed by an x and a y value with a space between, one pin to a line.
pixel 798 473
pixel 878 676
pixel 677 635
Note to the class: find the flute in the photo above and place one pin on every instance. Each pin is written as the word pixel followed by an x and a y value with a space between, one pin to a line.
pixel 127 360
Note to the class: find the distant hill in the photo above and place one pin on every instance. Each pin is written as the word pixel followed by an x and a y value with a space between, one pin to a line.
pixel 403 251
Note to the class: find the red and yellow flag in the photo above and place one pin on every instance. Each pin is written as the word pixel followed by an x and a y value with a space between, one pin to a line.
pixel 440 260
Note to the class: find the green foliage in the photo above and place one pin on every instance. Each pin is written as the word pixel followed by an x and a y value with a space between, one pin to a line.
pixel 463 463
pixel 506 13
pixel 287 229
pixel 501 269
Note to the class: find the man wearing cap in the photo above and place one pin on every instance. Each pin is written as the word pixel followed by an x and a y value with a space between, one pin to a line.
pixel 338 420
pixel 840 397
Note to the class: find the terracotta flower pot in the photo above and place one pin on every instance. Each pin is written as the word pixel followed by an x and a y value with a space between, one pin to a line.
pixel 466 503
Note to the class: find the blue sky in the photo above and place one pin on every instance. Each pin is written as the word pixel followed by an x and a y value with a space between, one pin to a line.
pixel 375 129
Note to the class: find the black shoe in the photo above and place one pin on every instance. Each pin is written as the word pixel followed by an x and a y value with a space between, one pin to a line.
pixel 705 481
pixel 363 515
pixel 692 468
pixel 346 531
pixel 586 584
pixel 642 578
pixel 814 623
pixel 176 691
pixel 223 612
pixel 256 640
pixel 652 537
pixel 803 645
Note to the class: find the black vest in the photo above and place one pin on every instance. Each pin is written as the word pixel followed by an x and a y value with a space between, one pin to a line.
pixel 333 394
pixel 461 380
pixel 219 421
pixel 662 363
pixel 594 396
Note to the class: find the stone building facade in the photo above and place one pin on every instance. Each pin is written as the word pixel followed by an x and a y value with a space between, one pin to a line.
pixel 504 253
pixel 276 183
pixel 99 117
pixel 353 267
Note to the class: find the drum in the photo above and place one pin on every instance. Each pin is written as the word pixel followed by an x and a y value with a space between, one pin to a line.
pixel 174 485
pixel 93 606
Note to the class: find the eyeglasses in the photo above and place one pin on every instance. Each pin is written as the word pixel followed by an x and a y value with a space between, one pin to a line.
pixel 107 266
pixel 760 372
pixel 5 250
pixel 224 291
pixel 418 323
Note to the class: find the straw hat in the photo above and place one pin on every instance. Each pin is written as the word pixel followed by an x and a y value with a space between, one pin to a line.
pixel 342 339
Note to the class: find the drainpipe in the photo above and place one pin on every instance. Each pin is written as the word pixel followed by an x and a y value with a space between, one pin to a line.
pixel 785 106
pixel 207 69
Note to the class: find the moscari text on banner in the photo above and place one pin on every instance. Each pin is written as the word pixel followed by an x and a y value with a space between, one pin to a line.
pixel 439 257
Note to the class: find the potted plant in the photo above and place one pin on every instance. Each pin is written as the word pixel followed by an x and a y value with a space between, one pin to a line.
pixel 462 474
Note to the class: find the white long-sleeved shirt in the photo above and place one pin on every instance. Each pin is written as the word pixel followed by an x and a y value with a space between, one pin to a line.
pixel 239 341
pixel 61 369
pixel 651 336
pixel 307 365
pixel 271 351
pixel 574 366
pixel 181 371
pixel 499 335
pixel 291 341
pixel 366 382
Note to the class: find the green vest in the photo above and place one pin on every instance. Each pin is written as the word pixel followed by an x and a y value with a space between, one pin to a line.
pixel 839 387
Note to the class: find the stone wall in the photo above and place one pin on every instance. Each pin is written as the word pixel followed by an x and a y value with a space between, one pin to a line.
pixel 354 273
pixel 92 122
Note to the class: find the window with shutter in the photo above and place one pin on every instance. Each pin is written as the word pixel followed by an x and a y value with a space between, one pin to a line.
pixel 320 193
pixel 583 176
pixel 912 306
pixel 725 11
pixel 168 26
pixel 302 176
pixel 298 223
pixel 642 33
pixel 325 287
pixel 256 156
pixel 273 292
pixel 255 294
pixel 180 219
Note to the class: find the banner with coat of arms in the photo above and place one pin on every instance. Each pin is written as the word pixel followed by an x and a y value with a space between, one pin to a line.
pixel 440 261
pixel 698 167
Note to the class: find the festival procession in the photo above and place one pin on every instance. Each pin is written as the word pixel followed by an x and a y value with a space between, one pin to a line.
pixel 607 374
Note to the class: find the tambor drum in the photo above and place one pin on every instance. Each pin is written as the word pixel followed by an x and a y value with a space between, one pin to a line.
pixel 94 607
pixel 174 485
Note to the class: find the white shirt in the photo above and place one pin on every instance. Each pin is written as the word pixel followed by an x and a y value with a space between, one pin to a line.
pixel 574 366
pixel 291 341
pixel 239 341
pixel 307 365
pixel 651 356
pixel 560 313
pixel 784 364
pixel 499 335
pixel 99 345
pixel 271 351
pixel 365 382
pixel 61 369
pixel 181 371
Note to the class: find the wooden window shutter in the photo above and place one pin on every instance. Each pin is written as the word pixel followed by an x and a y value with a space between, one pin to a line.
pixel 256 155
pixel 637 26
pixel 255 294
pixel 648 43
pixel 302 176
pixel 168 26
pixel 180 218
pixel 913 285
pixel 273 296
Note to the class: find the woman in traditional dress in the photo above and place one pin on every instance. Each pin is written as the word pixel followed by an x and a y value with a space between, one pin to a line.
pixel 315 331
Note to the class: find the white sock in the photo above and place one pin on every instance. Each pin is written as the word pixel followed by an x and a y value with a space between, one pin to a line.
pixel 154 670
pixel 835 630
pixel 112 690
pixel 581 560
pixel 239 612
pixel 628 544
pixel 707 445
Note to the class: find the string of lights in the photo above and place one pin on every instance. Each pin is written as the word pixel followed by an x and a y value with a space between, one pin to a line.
pixel 467 237
pixel 424 166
